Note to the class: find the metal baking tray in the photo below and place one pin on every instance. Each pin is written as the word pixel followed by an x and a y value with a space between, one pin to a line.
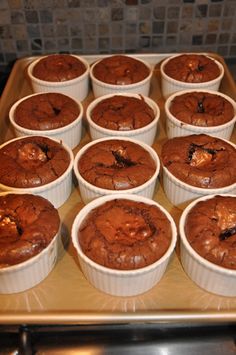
pixel 65 296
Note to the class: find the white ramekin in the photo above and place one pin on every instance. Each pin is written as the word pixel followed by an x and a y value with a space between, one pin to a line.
pixel 179 192
pixel 121 282
pixel 101 88
pixel 57 191
pixel 69 134
pixel 177 128
pixel 209 276
pixel 78 88
pixel 170 85
pixel 145 134
pixel 23 276
pixel 90 192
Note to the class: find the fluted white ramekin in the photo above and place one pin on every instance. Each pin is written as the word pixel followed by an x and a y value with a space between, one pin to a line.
pixel 77 88
pixel 101 88
pixel 145 134
pixel 69 134
pixel 170 85
pixel 209 276
pixel 90 192
pixel 29 273
pixel 177 128
pixel 178 191
pixel 121 282
pixel 57 191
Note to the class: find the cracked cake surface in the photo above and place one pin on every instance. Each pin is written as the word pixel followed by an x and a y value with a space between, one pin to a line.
pixel 210 228
pixel 200 160
pixel 28 223
pixel 122 113
pixel 124 234
pixel 116 165
pixel 32 161
pixel 192 68
pixel 46 111
pixel 58 68
pixel 202 109
pixel 120 70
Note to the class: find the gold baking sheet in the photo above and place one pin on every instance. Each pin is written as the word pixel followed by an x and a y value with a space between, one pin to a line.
pixel 65 296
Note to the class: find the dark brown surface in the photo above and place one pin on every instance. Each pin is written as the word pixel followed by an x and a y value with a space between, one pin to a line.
pixel 202 109
pixel 122 113
pixel 200 160
pixel 192 68
pixel 211 230
pixel 28 223
pixel 58 67
pixel 46 111
pixel 32 161
pixel 116 165
pixel 125 235
pixel 120 70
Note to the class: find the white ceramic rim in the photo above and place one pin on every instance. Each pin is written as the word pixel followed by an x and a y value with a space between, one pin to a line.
pixel 100 200
pixel 200 190
pixel 102 191
pixel 107 131
pixel 194 128
pixel 192 252
pixel 121 87
pixel 59 130
pixel 34 258
pixel 192 85
pixel 49 185
pixel 58 83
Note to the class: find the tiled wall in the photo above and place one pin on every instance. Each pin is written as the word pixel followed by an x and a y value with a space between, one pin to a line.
pixel 32 27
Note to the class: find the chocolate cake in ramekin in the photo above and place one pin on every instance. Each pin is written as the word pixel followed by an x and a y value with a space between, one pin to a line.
pixel 208 243
pixel 130 115
pixel 39 165
pixel 197 165
pixel 200 111
pixel 115 165
pixel 120 73
pixel 190 71
pixel 131 241
pixel 64 73
pixel 54 115
pixel 29 229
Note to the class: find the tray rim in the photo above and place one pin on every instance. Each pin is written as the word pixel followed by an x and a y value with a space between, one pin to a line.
pixel 92 318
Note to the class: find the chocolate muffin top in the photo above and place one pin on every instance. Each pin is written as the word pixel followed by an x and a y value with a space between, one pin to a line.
pixel 32 161
pixel 116 165
pixel 202 109
pixel 123 234
pixel 28 223
pixel 46 111
pixel 120 70
pixel 200 160
pixel 192 68
pixel 210 228
pixel 58 67
pixel 122 113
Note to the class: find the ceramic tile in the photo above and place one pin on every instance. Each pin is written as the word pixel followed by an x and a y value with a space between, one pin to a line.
pixel 17 17
pixel 158 27
pixel 90 26
pixel 31 16
pixel 19 32
pixel 5 17
pixel 173 12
